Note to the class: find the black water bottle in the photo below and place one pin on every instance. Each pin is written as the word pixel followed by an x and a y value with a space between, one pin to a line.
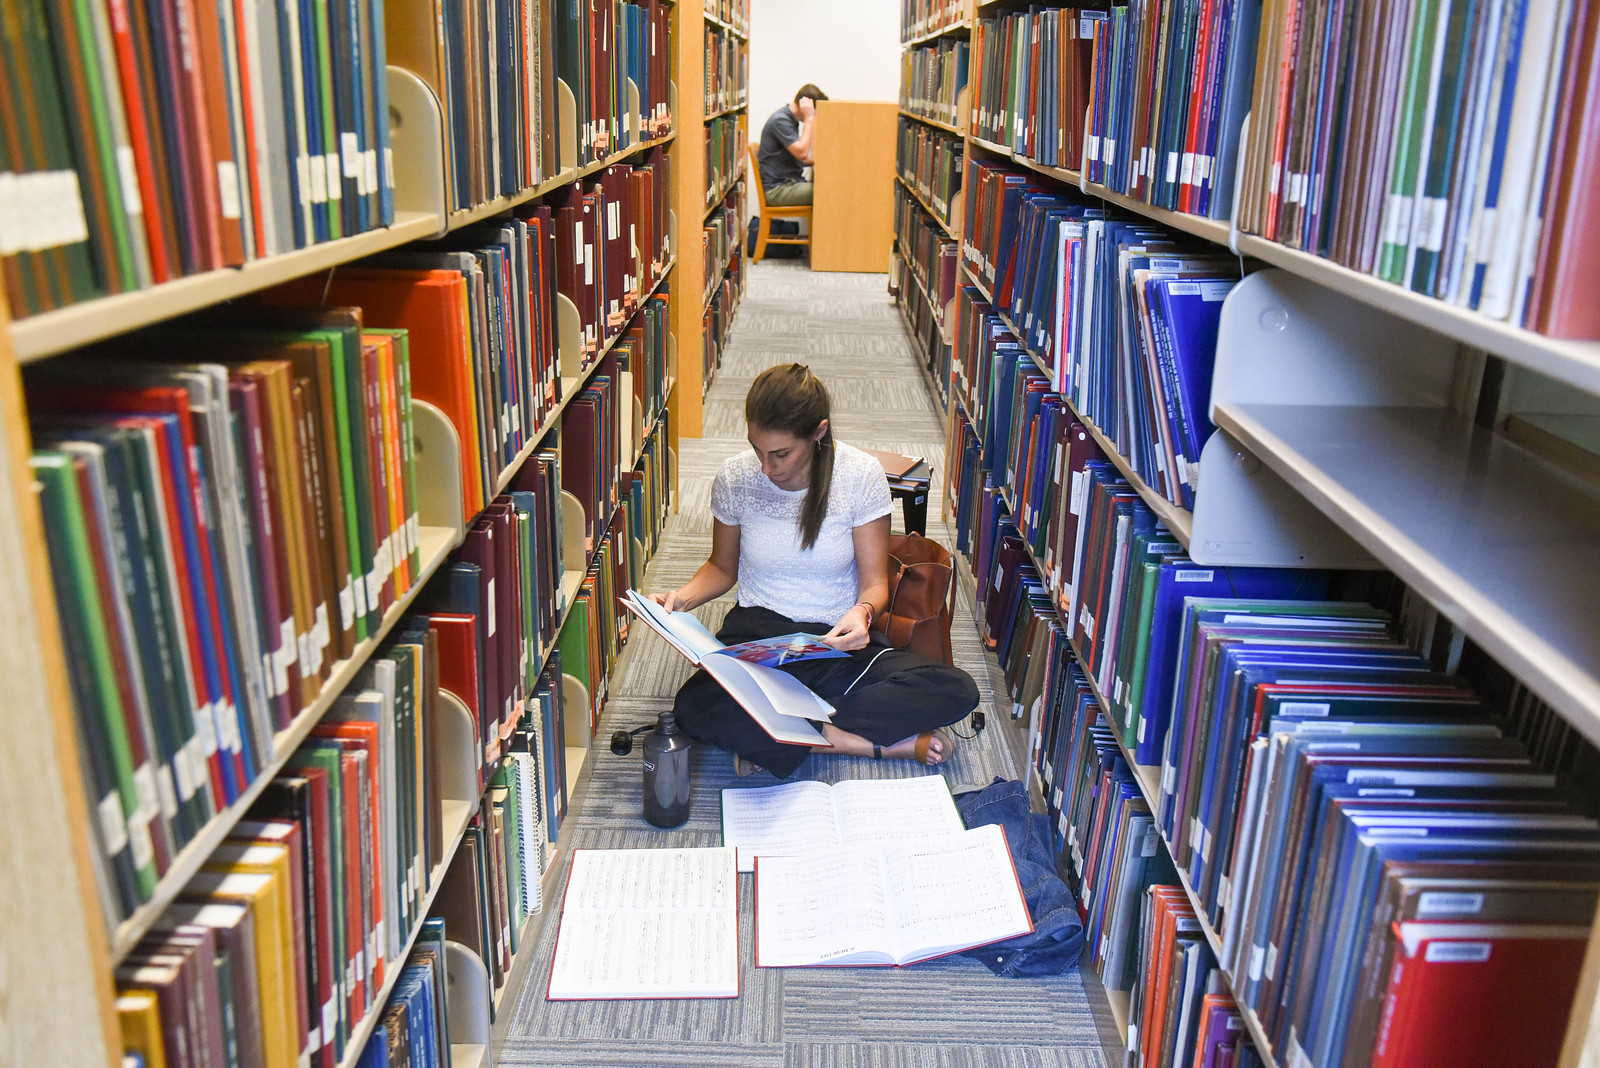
pixel 666 773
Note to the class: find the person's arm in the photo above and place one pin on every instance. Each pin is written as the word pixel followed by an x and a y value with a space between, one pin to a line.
pixel 872 585
pixel 717 575
pixel 800 147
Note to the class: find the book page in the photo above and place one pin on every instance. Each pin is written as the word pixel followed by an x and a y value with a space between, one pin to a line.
pixel 779 821
pixel 681 629
pixel 953 893
pixel 646 955
pixel 877 810
pixel 787 694
pixel 788 722
pixel 822 908
pixel 648 923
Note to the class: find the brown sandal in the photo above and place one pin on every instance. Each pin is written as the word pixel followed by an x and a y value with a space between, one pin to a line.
pixel 923 751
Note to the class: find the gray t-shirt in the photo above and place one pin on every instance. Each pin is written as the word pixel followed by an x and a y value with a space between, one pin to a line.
pixel 778 165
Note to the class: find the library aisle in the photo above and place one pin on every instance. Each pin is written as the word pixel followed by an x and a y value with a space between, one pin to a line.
pixel 951 1013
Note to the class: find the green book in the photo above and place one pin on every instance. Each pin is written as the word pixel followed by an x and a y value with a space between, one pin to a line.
pixel 1144 564
pixel 74 259
pixel 575 642
pixel 123 828
pixel 1405 156
pixel 1138 676
pixel 1432 209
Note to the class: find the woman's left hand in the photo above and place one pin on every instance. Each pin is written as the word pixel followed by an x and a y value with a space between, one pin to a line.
pixel 850 632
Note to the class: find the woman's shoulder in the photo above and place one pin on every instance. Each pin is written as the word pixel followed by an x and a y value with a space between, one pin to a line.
pixel 741 465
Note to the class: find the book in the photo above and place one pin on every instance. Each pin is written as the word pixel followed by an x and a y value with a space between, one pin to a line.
pixel 891 903
pixel 812 817
pixel 780 703
pixel 648 923
pixel 1476 983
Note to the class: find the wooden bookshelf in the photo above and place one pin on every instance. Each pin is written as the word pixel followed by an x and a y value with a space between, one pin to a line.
pixel 719 194
pixel 437 544
pixel 935 123
pixel 74 326
pixel 916 195
pixel 728 26
pixel 77 325
pixel 64 1013
pixel 960 28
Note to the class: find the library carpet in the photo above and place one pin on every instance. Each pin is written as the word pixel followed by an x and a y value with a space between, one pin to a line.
pixel 950 1013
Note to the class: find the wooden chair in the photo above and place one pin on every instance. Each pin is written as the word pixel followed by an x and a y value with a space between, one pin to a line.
pixel 766 213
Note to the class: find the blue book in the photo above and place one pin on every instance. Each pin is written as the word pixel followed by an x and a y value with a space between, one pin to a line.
pixel 1191 312
pixel 1181 578
pixel 1216 188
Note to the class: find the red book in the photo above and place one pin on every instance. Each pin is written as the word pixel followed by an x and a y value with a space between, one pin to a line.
pixel 1465 995
pixel 1567 275
pixel 458 667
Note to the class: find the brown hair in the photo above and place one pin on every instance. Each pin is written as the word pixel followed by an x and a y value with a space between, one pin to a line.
pixel 790 399
pixel 810 90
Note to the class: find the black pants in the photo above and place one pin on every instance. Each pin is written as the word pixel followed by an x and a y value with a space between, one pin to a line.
pixel 880 693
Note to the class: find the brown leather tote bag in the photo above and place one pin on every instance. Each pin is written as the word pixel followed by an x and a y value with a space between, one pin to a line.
pixel 921 596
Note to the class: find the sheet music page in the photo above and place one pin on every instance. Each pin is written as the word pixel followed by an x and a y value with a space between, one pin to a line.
pixel 779 821
pixel 953 892
pixel 821 908
pixel 641 923
pixel 877 810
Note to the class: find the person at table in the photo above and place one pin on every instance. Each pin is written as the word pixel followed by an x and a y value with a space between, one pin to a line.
pixel 786 149
pixel 801 524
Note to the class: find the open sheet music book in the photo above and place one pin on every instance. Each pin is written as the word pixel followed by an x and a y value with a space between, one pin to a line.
pixel 780 703
pixel 810 817
pixel 648 923
pixel 890 903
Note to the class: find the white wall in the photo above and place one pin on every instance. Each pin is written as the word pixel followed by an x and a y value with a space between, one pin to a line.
pixel 849 48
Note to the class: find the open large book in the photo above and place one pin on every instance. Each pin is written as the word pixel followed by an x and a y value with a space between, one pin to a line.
pixel 780 703
pixel 811 817
pixel 892 903
pixel 648 923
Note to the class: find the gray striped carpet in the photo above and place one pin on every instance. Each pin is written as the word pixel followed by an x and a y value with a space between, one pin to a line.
pixel 950 1013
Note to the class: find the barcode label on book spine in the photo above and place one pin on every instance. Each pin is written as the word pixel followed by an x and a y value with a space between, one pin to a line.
pixel 113 831
pixel 1457 952
pixel 1435 902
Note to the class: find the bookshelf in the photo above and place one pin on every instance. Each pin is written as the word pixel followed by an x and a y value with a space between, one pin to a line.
pixel 920 288
pixel 64 1012
pixel 1363 443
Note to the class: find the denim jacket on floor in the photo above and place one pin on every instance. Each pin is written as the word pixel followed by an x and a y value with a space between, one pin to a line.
pixel 1057 936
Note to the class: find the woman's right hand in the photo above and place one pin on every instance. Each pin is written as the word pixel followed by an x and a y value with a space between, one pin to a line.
pixel 672 600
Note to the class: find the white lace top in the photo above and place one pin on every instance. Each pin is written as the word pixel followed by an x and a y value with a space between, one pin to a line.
pixel 819 584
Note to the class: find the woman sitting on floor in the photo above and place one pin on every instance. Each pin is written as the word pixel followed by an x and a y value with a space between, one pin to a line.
pixel 801 523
